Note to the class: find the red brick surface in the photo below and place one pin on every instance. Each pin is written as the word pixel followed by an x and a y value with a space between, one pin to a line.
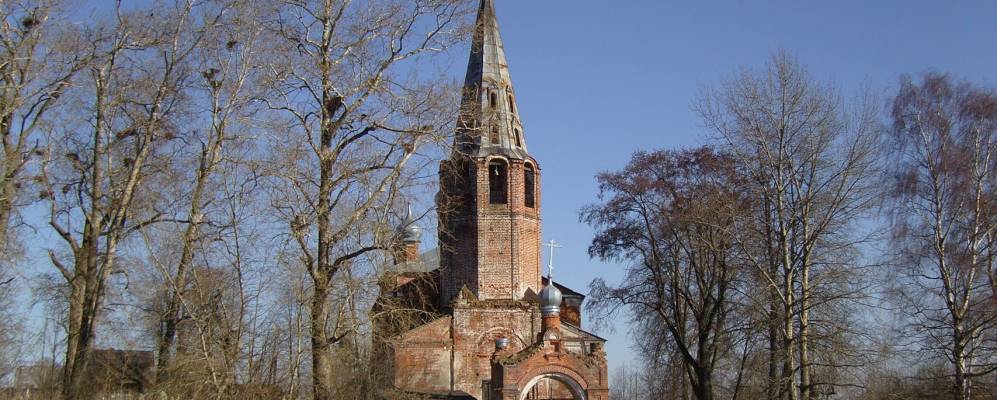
pixel 488 277
pixel 490 266
pixel 493 249
pixel 545 363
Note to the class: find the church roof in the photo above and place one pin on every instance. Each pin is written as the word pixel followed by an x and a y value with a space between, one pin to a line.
pixel 428 262
pixel 580 333
pixel 487 62
pixel 489 122
pixel 565 291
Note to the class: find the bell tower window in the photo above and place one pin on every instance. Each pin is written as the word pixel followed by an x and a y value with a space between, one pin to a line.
pixel 519 139
pixel 498 183
pixel 492 99
pixel 512 104
pixel 529 187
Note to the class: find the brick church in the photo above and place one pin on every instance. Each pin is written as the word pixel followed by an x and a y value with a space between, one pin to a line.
pixel 482 322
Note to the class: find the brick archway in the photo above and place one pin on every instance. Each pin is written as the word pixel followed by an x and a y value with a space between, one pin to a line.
pixel 576 388
pixel 570 378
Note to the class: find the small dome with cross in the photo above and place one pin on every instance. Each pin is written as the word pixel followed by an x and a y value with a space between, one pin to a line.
pixel 550 299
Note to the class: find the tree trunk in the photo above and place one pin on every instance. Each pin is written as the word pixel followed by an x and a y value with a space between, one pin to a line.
pixel 704 389
pixel 73 339
pixel 774 311
pixel 7 192
pixel 82 318
pixel 961 389
pixel 172 317
pixel 323 272
pixel 321 356
pixel 774 350
pixel 175 306
pixel 805 378
pixel 8 179
pixel 788 365
pixel 787 384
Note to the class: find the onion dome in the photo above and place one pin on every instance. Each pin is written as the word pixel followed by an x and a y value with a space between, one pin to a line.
pixel 409 230
pixel 550 300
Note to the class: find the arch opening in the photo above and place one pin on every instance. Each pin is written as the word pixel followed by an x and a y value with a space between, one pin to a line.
pixel 552 386
pixel 498 182
pixel 529 187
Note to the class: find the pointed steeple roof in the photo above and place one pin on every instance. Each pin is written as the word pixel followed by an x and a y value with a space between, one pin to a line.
pixel 487 60
pixel 490 121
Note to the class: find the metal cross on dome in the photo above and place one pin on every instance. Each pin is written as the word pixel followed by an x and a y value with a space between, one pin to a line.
pixel 550 260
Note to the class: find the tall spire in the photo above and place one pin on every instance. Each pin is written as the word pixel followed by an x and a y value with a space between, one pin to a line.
pixel 490 121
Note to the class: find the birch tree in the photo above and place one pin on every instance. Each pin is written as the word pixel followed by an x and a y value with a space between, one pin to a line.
pixel 809 158
pixel 943 155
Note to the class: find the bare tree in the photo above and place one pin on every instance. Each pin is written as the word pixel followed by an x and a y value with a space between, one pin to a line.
pixel 228 60
pixel 672 216
pixel 94 177
pixel 355 119
pixel 944 170
pixel 627 384
pixel 11 331
pixel 809 159
pixel 34 71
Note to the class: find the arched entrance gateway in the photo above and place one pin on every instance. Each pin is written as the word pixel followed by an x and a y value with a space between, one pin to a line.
pixel 552 386
pixel 551 368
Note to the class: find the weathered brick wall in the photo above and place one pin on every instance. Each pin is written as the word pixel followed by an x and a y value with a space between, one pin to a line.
pixel 403 252
pixel 493 249
pixel 458 239
pixel 461 346
pixel 476 326
pixel 423 361
pixel 422 358
pixel 571 315
pixel 587 372
pixel 411 251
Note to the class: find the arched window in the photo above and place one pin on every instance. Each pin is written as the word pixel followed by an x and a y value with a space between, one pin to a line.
pixel 492 99
pixel 498 181
pixel 529 186
pixel 512 104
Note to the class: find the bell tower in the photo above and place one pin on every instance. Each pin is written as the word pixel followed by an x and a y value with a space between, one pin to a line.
pixel 489 199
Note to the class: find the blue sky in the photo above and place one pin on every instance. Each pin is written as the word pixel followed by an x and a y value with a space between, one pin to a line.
pixel 596 80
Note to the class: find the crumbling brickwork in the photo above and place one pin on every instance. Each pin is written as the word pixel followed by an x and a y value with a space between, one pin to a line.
pixel 454 353
pixel 492 249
